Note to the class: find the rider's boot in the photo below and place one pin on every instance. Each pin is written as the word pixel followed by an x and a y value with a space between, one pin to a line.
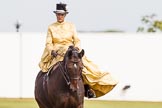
pixel 89 92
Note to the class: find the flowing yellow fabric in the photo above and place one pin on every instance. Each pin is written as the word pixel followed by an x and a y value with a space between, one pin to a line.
pixel 59 37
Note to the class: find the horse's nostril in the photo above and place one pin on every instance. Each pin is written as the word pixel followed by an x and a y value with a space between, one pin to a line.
pixel 73 88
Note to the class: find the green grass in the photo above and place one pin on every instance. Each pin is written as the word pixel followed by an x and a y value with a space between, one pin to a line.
pixel 17 103
pixel 31 103
pixel 122 104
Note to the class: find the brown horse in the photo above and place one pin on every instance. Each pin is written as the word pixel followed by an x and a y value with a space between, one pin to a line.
pixel 62 87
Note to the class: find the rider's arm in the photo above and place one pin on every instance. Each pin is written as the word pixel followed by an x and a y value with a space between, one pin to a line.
pixel 76 40
pixel 49 44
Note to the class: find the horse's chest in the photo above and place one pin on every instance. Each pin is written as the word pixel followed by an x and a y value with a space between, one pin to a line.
pixel 76 95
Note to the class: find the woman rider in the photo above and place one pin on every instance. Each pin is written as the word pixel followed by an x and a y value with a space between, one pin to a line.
pixel 60 36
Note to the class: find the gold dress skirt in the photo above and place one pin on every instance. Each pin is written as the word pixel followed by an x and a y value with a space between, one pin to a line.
pixel 101 82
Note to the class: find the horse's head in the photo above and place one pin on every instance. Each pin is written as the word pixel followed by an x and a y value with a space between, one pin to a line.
pixel 74 66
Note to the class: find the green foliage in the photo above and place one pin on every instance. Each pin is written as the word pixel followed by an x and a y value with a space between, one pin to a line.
pixel 114 31
pixel 150 24
pixel 158 24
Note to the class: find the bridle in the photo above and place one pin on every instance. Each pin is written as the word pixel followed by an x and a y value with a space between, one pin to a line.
pixel 75 67
pixel 65 73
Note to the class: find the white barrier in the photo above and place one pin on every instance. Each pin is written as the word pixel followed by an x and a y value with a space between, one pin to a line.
pixel 134 59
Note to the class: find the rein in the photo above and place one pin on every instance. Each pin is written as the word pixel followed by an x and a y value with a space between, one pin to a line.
pixel 65 75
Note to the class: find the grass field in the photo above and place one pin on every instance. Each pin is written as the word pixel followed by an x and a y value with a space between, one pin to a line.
pixel 31 103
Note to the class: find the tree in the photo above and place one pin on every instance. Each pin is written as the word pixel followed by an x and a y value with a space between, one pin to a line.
pixel 150 24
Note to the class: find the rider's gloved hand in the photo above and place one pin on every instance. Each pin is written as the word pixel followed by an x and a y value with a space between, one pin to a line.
pixel 54 53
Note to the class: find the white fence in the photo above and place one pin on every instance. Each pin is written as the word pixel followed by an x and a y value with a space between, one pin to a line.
pixel 133 59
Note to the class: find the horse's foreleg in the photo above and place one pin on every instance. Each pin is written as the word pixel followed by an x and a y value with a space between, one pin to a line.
pixel 80 106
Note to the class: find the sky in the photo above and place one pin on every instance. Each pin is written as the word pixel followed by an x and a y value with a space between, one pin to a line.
pixel 87 15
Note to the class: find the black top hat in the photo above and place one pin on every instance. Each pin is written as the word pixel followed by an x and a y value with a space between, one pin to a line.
pixel 61 8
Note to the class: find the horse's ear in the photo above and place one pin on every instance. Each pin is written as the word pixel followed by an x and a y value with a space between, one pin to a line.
pixel 70 53
pixel 81 54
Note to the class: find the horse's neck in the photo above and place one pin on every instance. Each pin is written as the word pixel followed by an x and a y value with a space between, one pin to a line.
pixel 58 75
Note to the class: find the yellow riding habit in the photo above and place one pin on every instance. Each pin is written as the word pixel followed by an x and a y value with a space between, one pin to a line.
pixel 59 37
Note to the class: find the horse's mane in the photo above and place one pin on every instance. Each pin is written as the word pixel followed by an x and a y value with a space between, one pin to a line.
pixel 69 52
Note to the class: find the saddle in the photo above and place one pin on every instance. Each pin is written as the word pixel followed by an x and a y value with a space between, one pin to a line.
pixel 52 68
pixel 45 77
